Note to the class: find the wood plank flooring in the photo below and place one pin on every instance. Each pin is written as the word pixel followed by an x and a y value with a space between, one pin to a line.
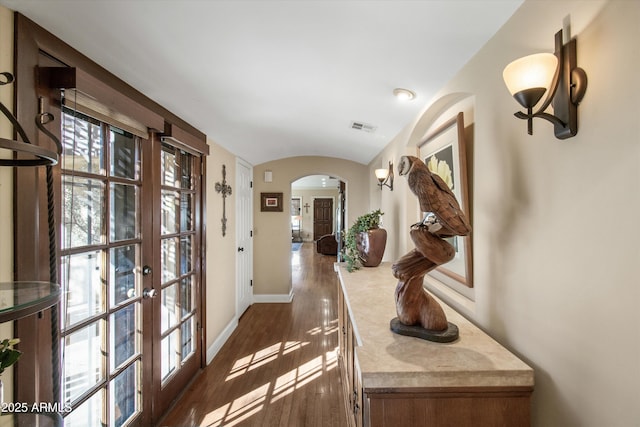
pixel 279 367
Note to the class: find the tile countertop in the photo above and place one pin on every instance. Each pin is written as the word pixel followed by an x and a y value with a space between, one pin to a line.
pixel 390 361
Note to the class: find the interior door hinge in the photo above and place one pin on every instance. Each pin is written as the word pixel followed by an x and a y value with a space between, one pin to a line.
pixel 251 283
pixel 250 184
pixel 250 233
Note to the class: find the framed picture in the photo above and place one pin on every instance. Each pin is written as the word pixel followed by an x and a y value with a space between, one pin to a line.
pixel 271 202
pixel 444 153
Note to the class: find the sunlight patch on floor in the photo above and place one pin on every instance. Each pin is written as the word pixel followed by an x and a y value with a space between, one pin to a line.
pixel 295 259
pixel 239 410
pixel 249 404
pixel 262 357
pixel 304 374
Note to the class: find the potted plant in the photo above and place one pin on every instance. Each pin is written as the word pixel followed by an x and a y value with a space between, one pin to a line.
pixel 365 241
pixel 8 356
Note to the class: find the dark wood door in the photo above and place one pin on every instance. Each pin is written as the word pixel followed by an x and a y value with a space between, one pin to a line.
pixel 322 217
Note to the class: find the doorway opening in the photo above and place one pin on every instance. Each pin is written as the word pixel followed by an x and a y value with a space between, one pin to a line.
pixel 317 214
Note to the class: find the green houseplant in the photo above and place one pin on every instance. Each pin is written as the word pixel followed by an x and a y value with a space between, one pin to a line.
pixel 8 355
pixel 363 224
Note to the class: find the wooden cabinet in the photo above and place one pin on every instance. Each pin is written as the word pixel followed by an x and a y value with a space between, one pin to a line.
pixel 392 380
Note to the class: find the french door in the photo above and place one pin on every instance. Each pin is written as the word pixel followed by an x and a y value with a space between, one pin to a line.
pixel 130 273
pixel 177 329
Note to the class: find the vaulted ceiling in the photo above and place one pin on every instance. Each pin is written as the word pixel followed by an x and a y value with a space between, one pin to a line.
pixel 273 79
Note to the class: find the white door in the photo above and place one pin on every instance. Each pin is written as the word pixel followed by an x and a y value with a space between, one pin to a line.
pixel 244 234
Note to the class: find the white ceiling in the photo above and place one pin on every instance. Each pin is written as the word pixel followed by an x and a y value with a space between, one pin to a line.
pixel 273 79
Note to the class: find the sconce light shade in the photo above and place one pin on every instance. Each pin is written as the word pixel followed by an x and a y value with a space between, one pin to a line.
pixel 530 77
pixel 385 177
pixel 268 176
pixel 382 174
pixel 556 75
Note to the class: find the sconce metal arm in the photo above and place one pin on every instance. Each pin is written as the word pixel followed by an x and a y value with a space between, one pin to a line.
pixel 388 181
pixel 567 89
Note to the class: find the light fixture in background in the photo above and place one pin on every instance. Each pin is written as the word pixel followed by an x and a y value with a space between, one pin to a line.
pixel 385 176
pixel 404 94
pixel 557 75
pixel 268 176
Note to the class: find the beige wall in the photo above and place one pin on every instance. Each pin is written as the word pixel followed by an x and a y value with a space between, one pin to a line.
pixel 307 214
pixel 221 250
pixel 554 222
pixel 272 233
pixel 6 180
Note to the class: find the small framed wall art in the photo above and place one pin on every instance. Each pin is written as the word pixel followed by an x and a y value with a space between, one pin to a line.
pixel 270 202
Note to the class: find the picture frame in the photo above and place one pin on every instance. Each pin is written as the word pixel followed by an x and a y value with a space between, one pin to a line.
pixel 446 147
pixel 271 202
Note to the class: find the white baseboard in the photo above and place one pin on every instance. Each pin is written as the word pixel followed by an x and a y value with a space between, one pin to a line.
pixel 221 339
pixel 273 298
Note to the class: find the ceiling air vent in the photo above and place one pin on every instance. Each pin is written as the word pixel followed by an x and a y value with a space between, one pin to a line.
pixel 365 127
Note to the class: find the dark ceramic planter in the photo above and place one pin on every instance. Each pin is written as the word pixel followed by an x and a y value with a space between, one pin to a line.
pixel 370 245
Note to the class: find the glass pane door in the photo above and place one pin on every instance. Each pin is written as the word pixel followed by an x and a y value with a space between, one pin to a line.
pixel 177 351
pixel 178 275
pixel 101 248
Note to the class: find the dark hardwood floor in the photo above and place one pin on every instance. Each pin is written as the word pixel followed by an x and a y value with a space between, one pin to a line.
pixel 279 367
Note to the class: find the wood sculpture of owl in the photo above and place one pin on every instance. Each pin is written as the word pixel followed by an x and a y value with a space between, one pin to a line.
pixel 435 197
pixel 419 314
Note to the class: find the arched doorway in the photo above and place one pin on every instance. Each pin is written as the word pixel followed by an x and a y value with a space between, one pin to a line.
pixel 317 208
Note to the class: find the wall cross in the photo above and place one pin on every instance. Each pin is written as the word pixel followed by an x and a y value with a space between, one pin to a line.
pixel 306 207
pixel 225 189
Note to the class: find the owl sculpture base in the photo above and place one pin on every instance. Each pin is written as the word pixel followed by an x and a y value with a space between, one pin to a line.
pixel 419 314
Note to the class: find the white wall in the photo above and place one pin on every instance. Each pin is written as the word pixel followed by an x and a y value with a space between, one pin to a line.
pixel 556 252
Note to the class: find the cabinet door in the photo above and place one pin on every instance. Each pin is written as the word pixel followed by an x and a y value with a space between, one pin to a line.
pixel 358 406
pixel 342 329
pixel 349 363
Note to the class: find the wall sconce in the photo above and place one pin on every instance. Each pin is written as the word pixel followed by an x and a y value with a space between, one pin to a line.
pixel 385 177
pixel 557 74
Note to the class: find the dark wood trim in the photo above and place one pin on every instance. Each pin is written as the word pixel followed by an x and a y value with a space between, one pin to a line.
pixel 50 44
pixel 185 140
pixel 76 78
pixel 201 225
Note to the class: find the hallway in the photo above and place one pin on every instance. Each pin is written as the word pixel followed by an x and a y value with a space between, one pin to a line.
pixel 279 367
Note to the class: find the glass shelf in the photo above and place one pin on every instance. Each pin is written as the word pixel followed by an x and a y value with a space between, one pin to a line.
pixel 20 299
pixel 36 156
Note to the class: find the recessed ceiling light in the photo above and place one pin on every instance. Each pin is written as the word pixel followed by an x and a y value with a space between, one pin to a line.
pixel 404 94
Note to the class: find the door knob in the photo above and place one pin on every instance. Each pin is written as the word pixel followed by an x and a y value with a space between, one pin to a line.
pixel 148 293
pixel 146 270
